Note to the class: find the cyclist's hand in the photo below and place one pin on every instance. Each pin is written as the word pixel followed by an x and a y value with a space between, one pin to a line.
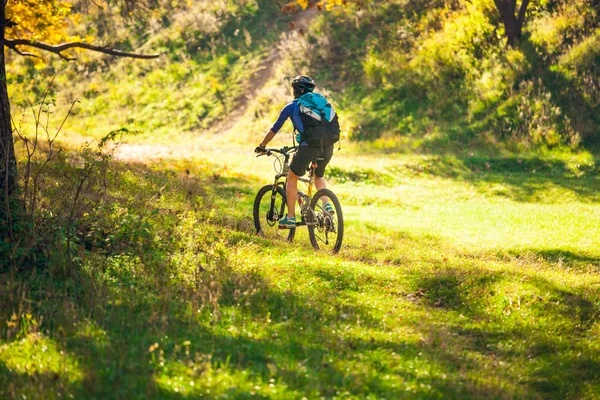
pixel 260 149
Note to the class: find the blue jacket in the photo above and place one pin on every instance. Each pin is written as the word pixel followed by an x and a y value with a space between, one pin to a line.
pixel 292 111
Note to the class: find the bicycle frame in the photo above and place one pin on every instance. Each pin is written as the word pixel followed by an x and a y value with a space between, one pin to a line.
pixel 302 198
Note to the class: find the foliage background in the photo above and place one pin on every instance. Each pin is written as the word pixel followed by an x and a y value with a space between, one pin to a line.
pixel 469 180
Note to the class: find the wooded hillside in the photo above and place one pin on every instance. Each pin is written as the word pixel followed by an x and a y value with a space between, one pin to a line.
pixel 468 178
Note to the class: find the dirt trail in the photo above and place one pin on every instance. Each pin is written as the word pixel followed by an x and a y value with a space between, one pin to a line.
pixel 298 23
pixel 132 152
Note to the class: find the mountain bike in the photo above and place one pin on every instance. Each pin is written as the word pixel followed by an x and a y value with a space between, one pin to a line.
pixel 325 229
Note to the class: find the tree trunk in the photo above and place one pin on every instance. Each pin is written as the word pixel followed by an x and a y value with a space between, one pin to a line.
pixel 513 23
pixel 8 162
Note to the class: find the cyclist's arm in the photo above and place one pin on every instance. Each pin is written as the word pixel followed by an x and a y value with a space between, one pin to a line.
pixel 283 116
pixel 285 113
pixel 268 137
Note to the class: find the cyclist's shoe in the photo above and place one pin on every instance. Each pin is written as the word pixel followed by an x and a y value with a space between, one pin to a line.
pixel 329 209
pixel 287 223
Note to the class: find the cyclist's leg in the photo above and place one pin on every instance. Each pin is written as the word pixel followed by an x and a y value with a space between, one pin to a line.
pixel 291 191
pixel 298 167
pixel 320 183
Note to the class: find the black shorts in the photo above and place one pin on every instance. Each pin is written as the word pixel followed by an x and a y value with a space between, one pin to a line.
pixel 306 154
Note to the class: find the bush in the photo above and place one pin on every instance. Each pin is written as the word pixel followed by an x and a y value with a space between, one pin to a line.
pixel 445 68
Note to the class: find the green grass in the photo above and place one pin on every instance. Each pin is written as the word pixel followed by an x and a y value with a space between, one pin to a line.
pixel 452 282
pixel 467 271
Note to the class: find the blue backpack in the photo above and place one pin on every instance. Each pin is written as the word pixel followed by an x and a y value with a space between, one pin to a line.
pixel 321 125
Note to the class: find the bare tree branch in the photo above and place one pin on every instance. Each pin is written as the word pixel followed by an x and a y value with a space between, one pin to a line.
pixel 97 5
pixel 58 49
pixel 22 53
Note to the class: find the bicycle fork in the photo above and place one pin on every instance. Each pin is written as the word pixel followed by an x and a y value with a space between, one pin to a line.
pixel 275 215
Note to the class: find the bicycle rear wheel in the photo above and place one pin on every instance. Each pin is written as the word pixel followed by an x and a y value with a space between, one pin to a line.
pixel 326 230
pixel 269 208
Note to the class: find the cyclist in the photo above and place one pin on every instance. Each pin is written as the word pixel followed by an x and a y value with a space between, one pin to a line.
pixel 304 156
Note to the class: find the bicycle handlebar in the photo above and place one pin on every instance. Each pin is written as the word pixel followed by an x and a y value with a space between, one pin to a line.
pixel 285 150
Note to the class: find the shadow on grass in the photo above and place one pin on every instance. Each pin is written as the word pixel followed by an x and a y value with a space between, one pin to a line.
pixel 565 257
pixel 48 382
pixel 324 334
pixel 122 366
pixel 534 329
pixel 521 179
pixel 514 319
pixel 297 338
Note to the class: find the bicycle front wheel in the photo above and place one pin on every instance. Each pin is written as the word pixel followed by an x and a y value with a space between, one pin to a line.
pixel 269 208
pixel 326 228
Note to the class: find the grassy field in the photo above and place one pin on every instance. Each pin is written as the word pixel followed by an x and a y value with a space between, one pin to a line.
pixel 470 265
pixel 459 277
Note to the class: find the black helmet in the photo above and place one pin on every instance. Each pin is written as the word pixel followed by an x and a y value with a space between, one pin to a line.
pixel 303 84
